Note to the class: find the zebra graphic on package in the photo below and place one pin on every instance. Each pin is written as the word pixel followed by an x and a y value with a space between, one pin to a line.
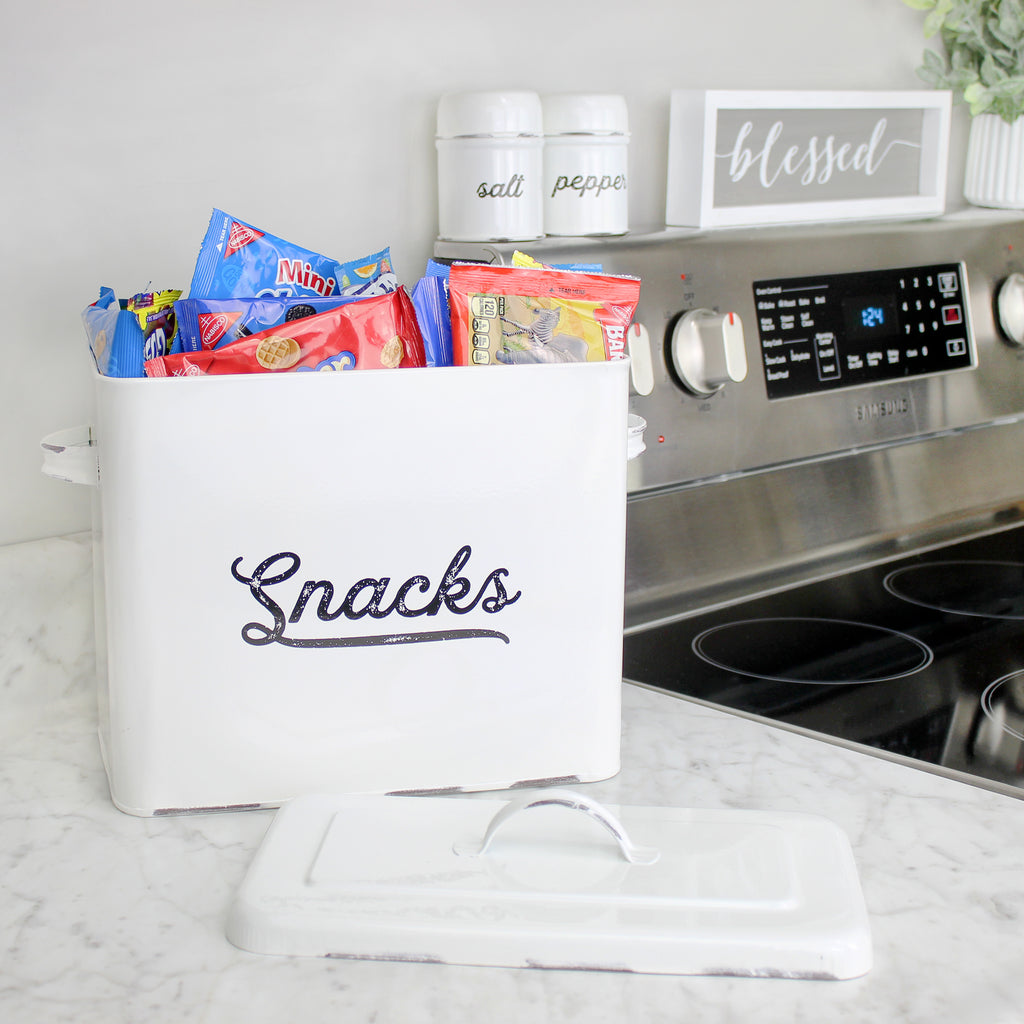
pixel 537 342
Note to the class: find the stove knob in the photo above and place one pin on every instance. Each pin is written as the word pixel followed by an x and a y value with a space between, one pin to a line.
pixel 1010 306
pixel 707 351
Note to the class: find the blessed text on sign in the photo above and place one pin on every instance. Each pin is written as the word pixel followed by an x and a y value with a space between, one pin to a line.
pixel 786 156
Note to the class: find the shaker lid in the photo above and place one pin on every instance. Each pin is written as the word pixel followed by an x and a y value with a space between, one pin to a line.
pixel 585 112
pixel 489 113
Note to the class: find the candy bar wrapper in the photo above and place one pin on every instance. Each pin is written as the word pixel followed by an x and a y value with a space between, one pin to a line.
pixel 508 315
pixel 155 313
pixel 375 333
pixel 213 323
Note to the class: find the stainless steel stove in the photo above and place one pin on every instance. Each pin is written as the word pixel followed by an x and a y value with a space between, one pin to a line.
pixel 826 531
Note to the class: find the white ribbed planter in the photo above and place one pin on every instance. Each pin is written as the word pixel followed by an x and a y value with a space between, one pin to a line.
pixel 995 163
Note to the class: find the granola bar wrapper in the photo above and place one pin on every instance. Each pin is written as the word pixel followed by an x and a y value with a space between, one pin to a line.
pixel 375 333
pixel 509 315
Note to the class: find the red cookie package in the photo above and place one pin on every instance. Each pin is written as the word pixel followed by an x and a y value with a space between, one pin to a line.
pixel 374 333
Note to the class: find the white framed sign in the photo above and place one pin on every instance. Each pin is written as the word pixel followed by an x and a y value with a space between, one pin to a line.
pixel 746 158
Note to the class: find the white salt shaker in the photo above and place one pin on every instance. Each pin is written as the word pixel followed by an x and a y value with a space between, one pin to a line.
pixel 489 166
pixel 586 149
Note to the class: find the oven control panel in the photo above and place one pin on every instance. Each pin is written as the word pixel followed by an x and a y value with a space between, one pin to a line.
pixel 845 330
pixel 758 348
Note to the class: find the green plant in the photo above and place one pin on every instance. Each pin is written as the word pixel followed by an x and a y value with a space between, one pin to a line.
pixel 984 42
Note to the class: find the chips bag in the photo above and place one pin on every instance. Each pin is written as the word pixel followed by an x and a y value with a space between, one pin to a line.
pixel 529 315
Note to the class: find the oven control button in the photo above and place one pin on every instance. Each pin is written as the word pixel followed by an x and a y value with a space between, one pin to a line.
pixel 1010 304
pixel 707 351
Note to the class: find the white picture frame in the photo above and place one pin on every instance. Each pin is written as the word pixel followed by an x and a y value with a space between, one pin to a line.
pixel 805 157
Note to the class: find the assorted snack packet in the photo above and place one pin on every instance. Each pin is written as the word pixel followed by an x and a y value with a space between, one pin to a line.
pixel 155 313
pixel 374 333
pixel 520 259
pixel 372 275
pixel 238 259
pixel 123 333
pixel 260 304
pixel 211 323
pixel 430 300
pixel 507 315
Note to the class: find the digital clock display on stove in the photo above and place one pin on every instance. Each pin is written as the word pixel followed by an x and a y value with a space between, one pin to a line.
pixel 846 330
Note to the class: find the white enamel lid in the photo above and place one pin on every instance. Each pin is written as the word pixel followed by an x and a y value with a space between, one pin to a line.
pixel 489 113
pixel 589 113
pixel 551 878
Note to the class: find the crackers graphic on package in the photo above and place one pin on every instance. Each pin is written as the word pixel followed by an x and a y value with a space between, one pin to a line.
pixel 392 353
pixel 277 353
pixel 379 332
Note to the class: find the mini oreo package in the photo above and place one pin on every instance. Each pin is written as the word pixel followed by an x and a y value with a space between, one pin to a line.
pixel 212 323
pixel 380 332
pixel 509 315
pixel 238 259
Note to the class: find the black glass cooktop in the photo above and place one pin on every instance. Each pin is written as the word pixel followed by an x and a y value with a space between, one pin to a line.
pixel 921 658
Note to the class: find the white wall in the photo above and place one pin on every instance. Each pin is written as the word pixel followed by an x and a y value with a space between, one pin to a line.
pixel 125 122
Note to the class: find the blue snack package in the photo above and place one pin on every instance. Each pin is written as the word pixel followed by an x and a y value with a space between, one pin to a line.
pixel 237 259
pixel 372 275
pixel 211 323
pixel 435 268
pixel 430 301
pixel 115 336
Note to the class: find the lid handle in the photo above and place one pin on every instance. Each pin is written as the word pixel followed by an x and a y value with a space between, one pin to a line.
pixel 574 801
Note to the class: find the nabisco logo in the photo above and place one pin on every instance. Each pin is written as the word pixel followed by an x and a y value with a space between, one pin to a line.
pixel 239 237
pixel 213 327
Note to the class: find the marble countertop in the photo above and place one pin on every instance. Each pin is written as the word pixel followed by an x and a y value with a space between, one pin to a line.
pixel 111 918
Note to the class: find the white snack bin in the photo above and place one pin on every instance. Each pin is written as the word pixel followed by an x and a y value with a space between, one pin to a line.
pixel 379 581
pixel 489 166
pixel 586 157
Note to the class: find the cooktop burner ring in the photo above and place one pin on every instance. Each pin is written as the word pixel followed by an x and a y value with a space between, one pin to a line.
pixel 913 658
pixel 996 714
pixel 1005 599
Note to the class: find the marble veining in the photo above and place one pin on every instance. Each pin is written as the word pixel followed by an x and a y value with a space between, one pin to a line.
pixel 108 918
